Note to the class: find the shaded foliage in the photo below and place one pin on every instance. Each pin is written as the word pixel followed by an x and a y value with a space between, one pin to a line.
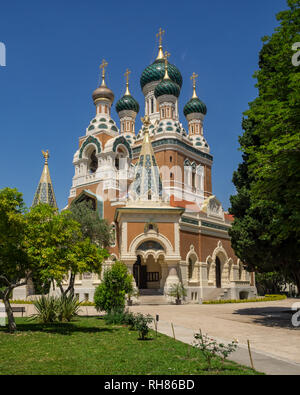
pixel 266 208
pixel 111 293
pixel 92 226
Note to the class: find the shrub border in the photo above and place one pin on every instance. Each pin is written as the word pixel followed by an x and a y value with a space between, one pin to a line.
pixel 266 298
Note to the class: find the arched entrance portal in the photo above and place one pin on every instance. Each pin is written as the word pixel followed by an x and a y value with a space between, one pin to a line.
pixel 140 273
pixel 147 270
pixel 218 273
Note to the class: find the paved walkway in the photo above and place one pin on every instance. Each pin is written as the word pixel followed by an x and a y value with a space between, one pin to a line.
pixel 275 343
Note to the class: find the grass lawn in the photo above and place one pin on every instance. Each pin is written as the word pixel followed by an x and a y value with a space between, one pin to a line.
pixel 89 346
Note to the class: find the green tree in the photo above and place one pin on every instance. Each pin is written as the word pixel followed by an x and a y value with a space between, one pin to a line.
pixel 272 283
pixel 92 226
pixel 266 230
pixel 56 244
pixel 110 294
pixel 15 268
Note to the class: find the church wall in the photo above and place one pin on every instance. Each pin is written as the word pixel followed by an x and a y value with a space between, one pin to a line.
pixel 207 180
pixel 136 228
pixel 186 240
pixel 210 243
pixel 104 138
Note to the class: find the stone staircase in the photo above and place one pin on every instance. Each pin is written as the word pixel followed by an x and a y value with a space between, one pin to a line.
pixel 218 294
pixel 151 297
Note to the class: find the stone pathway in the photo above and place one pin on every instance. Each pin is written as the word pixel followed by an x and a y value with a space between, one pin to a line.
pixel 262 362
pixel 275 343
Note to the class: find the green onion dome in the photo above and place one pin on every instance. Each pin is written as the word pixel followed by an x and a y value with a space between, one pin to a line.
pixel 167 87
pixel 156 72
pixel 195 105
pixel 127 102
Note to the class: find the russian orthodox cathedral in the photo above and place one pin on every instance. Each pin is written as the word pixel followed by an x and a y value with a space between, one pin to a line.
pixel 154 188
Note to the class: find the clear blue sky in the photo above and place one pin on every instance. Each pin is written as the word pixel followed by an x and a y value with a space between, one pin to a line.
pixel 54 49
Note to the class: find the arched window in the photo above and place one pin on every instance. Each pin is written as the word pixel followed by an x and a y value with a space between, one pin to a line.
pixel 150 245
pixel 93 163
pixel 152 106
pixel 113 235
pixel 191 269
pixel 120 159
pixel 193 179
pixel 218 273
pixel 240 271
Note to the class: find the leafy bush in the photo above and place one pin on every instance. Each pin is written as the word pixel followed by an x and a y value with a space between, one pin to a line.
pixel 67 308
pixel 211 349
pixel 141 324
pixel 111 293
pixel 130 320
pixel 47 308
pixel 177 291
pixel 115 317
pixel 266 298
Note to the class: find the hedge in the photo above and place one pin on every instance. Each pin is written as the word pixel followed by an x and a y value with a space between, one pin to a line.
pixel 266 298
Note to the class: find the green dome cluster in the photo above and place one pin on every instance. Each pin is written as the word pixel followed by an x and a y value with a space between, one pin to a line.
pixel 127 102
pixel 156 72
pixel 195 105
pixel 167 87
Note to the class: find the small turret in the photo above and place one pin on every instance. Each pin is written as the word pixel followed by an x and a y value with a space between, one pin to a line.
pixel 127 108
pixel 166 94
pixel 194 111
pixel 103 97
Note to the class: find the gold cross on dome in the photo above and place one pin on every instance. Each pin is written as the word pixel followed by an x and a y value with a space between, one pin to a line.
pixel 127 75
pixel 102 66
pixel 194 77
pixel 167 55
pixel 160 35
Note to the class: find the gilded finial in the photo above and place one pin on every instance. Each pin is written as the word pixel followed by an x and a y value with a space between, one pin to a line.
pixel 46 156
pixel 159 35
pixel 146 122
pixel 127 93
pixel 103 65
pixel 166 56
pixel 194 77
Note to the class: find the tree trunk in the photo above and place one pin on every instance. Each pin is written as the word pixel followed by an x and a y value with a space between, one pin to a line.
pixel 70 289
pixel 12 327
pixel 297 280
pixel 72 284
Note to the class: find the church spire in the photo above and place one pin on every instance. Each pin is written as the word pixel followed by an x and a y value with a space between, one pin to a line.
pixel 147 185
pixel 45 191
